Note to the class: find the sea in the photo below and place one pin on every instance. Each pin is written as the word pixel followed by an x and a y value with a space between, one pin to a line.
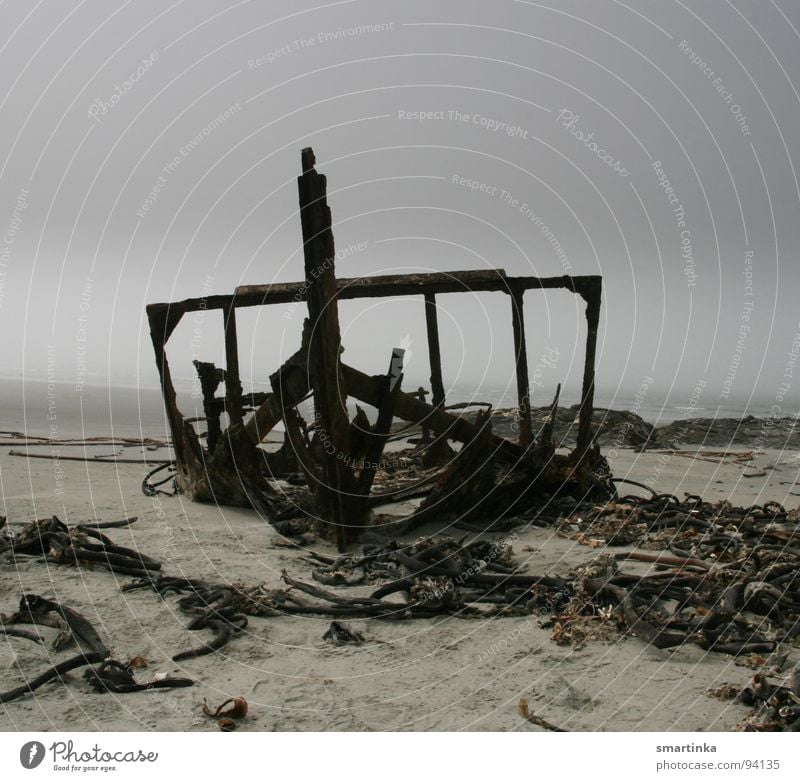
pixel 58 410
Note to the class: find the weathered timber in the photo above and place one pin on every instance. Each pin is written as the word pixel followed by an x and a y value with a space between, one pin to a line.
pixel 380 433
pixel 389 285
pixel 210 378
pixel 434 350
pixel 426 434
pixel 438 452
pixel 93 460
pixel 234 470
pixel 188 456
pixel 407 407
pixel 234 473
pixel 521 364
pixel 546 437
pixel 590 288
pixel 300 449
pixel 381 286
pixel 233 385
pixel 478 485
pixel 336 496
pixel 291 385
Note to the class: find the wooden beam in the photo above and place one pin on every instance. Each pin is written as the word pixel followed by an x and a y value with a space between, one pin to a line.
pixel 407 407
pixel 592 292
pixel 210 377
pixel 336 498
pixel 383 425
pixel 184 441
pixel 521 358
pixel 438 451
pixel 434 350
pixel 381 286
pixel 233 385
pixel 388 286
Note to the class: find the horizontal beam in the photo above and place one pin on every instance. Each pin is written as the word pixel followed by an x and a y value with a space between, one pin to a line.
pixel 494 280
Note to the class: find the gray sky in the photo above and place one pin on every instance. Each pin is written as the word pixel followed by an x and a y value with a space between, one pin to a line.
pixel 149 152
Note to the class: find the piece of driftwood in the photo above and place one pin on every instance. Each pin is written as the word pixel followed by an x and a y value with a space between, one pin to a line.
pixel 524 711
pixel 93 460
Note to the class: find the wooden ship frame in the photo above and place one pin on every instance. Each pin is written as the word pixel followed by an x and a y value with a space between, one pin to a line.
pixel 339 463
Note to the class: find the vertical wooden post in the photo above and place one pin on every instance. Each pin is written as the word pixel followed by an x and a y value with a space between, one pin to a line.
pixel 184 442
pixel 426 432
pixel 592 292
pixel 233 385
pixel 337 498
pixel 434 350
pixel 209 377
pixel 159 333
pixel 521 357
pixel 438 451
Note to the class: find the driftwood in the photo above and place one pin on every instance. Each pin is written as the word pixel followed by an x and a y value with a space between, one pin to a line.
pixel 524 711
pixel 21 438
pixel 94 460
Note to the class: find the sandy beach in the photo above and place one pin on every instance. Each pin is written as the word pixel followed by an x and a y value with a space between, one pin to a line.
pixel 426 674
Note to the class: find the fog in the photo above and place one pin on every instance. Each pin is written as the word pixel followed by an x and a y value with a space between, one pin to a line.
pixel 149 152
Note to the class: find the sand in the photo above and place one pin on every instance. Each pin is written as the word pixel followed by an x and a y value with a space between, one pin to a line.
pixel 445 674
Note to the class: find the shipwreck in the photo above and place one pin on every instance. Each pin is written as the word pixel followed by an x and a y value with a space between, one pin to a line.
pixel 466 471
